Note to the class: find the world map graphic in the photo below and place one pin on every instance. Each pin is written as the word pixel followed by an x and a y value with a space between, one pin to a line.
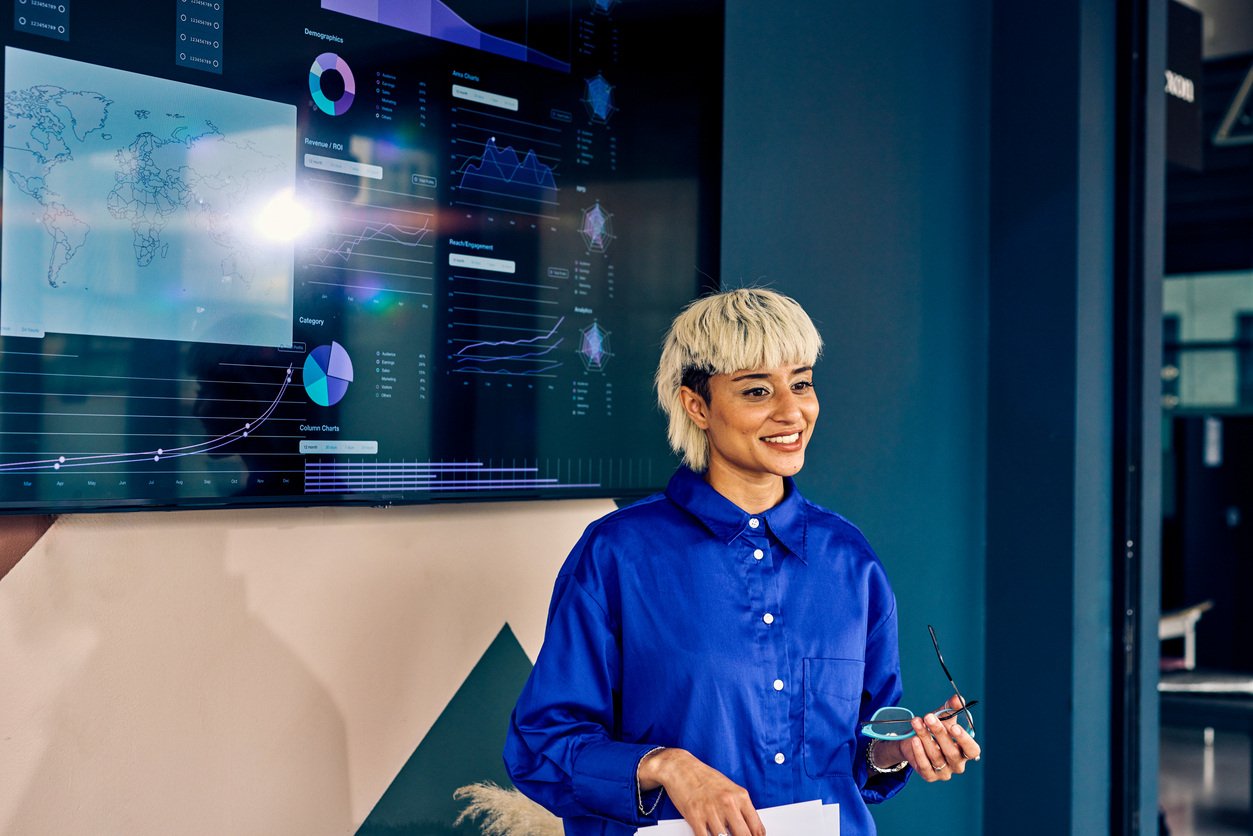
pixel 130 205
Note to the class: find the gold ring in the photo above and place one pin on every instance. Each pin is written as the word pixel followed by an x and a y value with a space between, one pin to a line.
pixel 939 768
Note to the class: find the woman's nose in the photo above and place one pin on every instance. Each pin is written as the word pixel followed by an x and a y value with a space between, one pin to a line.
pixel 786 406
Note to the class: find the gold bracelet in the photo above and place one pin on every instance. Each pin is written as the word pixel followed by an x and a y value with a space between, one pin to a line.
pixel 881 770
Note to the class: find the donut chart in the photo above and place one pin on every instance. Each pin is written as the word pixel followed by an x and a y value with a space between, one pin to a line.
pixel 330 61
pixel 327 373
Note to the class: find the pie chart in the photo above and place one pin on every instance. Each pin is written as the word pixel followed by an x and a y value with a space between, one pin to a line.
pixel 327 373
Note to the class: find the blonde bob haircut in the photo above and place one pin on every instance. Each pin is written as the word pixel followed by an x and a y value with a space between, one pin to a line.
pixel 748 328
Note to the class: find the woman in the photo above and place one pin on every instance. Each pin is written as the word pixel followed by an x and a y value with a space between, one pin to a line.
pixel 714 648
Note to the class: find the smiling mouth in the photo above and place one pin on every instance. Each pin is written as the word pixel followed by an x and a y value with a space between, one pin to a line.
pixel 791 438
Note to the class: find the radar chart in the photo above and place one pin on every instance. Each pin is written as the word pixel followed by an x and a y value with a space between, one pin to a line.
pixel 596 228
pixel 598 99
pixel 594 347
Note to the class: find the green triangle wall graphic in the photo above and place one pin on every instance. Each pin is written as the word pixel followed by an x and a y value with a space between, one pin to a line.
pixel 462 747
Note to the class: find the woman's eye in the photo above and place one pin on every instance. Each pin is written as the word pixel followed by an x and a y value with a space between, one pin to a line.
pixel 802 385
pixel 755 392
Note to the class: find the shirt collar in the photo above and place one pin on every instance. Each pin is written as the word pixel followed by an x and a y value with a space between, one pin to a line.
pixel 726 520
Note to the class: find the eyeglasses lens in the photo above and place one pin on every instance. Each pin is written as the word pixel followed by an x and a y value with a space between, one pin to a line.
pixel 891 722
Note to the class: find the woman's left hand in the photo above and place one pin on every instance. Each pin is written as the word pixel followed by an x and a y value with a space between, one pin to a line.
pixel 938 750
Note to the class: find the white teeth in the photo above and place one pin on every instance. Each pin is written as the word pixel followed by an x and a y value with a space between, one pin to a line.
pixel 783 439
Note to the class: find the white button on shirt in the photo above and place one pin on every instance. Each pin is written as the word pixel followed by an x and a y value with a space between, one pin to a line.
pixel 753 522
pixel 758 553
pixel 778 685
pixel 778 757
pixel 768 618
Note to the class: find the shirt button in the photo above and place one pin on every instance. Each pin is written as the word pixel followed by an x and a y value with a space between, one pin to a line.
pixel 778 757
pixel 768 618
pixel 754 522
pixel 778 685
pixel 758 553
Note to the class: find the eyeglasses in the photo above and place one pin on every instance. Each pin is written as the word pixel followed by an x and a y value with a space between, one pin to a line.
pixel 895 723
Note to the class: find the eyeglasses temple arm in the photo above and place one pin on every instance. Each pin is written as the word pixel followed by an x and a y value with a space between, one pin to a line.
pixel 955 712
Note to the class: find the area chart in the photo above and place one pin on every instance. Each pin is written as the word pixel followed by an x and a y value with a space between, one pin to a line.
pixel 503 172
pixel 435 20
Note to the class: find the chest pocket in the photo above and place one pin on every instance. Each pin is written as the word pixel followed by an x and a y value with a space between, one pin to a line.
pixel 832 699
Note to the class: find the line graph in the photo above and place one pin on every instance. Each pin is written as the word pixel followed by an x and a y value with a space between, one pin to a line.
pixel 64 461
pixel 345 245
pixel 524 357
pixel 372 240
pixel 507 327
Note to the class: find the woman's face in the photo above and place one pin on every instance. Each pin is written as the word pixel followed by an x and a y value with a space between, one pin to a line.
pixel 758 421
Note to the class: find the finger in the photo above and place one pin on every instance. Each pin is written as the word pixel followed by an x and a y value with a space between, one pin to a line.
pixel 707 821
pixel 912 752
pixel 742 819
pixel 736 825
pixel 715 828
pixel 971 750
pixel 723 824
pixel 949 749
pixel 938 763
pixel 724 816
pixel 922 762
pixel 752 820
pixel 955 704
pixel 699 826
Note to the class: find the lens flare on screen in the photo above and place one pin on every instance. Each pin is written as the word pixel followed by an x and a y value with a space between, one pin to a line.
pixel 284 218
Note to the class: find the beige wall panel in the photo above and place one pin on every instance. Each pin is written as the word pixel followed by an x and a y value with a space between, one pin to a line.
pixel 251 672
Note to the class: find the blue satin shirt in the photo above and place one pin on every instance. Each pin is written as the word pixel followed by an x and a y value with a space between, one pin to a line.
pixel 755 641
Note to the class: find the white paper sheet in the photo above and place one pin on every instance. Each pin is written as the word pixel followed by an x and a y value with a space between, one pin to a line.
pixel 805 818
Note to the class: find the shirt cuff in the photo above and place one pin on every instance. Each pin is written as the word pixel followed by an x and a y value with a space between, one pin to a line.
pixel 604 779
pixel 876 786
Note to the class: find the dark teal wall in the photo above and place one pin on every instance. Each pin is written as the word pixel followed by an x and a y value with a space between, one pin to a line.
pixel 936 183
pixel 856 179
pixel 1050 542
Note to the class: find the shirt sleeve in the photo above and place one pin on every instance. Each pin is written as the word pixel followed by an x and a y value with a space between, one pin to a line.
pixel 560 749
pixel 882 687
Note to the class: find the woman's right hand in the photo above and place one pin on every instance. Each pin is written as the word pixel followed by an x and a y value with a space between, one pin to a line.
pixel 710 802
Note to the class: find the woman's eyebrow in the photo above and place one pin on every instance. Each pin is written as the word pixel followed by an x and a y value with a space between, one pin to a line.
pixel 765 376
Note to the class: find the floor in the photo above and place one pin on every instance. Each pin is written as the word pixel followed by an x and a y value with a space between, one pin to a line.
pixel 1204 790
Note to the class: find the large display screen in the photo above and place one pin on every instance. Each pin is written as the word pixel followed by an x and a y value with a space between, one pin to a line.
pixel 327 251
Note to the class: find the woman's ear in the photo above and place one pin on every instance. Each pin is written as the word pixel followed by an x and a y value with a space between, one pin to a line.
pixel 695 407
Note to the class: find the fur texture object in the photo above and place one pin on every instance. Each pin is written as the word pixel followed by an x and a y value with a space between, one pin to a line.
pixel 505 812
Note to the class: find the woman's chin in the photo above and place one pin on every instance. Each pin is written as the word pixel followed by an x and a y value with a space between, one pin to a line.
pixel 790 465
